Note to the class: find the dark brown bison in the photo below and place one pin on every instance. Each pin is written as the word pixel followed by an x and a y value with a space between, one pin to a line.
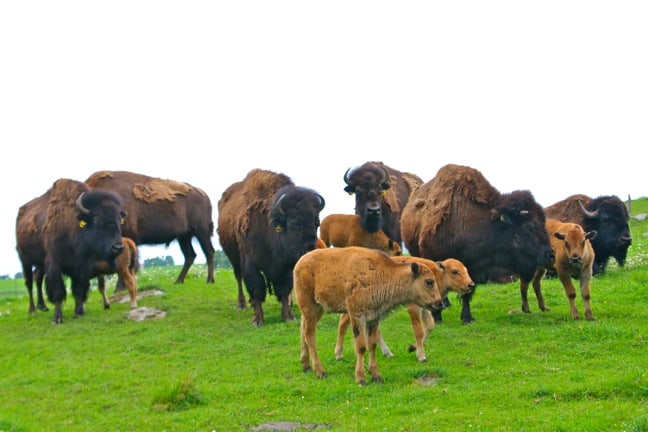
pixel 30 247
pixel 265 224
pixel 381 193
pixel 160 211
pixel 82 227
pixel 458 214
pixel 607 215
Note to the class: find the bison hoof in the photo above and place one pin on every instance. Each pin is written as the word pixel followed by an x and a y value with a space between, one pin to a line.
pixel 411 348
pixel 377 379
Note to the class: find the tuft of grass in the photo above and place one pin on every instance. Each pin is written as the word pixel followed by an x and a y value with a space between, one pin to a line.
pixel 179 396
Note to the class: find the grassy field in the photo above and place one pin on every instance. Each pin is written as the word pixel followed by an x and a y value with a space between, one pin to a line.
pixel 204 367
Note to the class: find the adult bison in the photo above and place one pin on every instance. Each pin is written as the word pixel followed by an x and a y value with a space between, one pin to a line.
pixel 82 227
pixel 265 224
pixel 458 214
pixel 381 193
pixel 607 215
pixel 30 246
pixel 160 211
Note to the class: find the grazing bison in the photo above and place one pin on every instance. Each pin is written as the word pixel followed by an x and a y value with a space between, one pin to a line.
pixel 82 226
pixel 125 265
pixel 342 230
pixel 265 224
pixel 381 193
pixel 160 211
pixel 364 283
pixel 607 215
pixel 30 247
pixel 574 260
pixel 459 214
pixel 449 274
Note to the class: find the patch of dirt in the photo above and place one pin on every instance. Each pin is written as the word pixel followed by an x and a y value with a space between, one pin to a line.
pixel 145 313
pixel 124 297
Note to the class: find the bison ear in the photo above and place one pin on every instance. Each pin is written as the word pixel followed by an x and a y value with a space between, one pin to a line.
pixel 499 215
pixel 385 186
pixel 415 269
pixel 591 235
pixel 349 189
pixel 559 236
pixel 440 264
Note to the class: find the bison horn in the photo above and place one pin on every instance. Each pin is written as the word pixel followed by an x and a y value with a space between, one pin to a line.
pixel 346 177
pixel 278 204
pixel 79 204
pixel 589 214
pixel 385 176
pixel 322 202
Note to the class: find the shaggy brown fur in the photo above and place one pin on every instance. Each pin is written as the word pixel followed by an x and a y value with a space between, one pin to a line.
pixel 159 211
pixel 126 266
pixel 365 283
pixel 450 275
pixel 30 247
pixel 342 230
pixel 574 260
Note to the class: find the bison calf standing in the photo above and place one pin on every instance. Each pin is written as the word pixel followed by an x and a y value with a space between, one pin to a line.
pixel 574 260
pixel 365 283
pixel 450 275
pixel 125 265
pixel 342 230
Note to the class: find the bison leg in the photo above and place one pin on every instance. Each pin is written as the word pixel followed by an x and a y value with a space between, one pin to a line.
pixel 343 325
pixel 101 286
pixel 466 314
pixel 39 291
pixel 58 313
pixel 189 255
pixel 130 280
pixel 258 320
pixel 310 317
pixel 537 288
pixel 372 332
pixel 416 317
pixel 360 343
pixel 585 295
pixel 570 292
pixel 286 312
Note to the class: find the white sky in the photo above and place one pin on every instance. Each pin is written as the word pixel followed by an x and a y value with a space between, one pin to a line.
pixel 549 96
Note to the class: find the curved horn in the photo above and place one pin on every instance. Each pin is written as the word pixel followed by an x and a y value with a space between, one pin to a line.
pixel 346 177
pixel 629 204
pixel 322 202
pixel 278 204
pixel 79 204
pixel 589 214
pixel 385 175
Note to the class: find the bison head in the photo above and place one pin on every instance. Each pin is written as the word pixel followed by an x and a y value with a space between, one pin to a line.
pixel 100 219
pixel 608 216
pixel 369 183
pixel 295 218
pixel 520 228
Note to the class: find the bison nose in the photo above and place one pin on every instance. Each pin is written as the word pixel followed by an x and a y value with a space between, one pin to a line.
pixel 117 248
pixel 625 240
pixel 575 259
pixel 435 306
pixel 373 211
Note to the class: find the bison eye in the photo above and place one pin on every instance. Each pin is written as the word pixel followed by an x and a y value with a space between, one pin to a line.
pixel 429 283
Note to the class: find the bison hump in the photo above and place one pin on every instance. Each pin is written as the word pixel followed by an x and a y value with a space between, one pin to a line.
pixel 157 189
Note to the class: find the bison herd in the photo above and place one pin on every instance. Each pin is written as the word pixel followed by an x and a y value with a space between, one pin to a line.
pixel 409 242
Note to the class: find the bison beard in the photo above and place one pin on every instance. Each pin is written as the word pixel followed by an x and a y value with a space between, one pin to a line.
pixel 458 214
pixel 265 224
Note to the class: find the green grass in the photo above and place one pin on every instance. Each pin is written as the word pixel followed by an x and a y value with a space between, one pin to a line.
pixel 205 367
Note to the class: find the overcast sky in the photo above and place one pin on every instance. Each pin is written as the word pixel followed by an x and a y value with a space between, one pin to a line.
pixel 548 96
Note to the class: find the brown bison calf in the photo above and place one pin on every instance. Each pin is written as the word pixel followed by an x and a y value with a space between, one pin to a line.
pixel 125 266
pixel 365 283
pixel 450 275
pixel 574 260
pixel 342 230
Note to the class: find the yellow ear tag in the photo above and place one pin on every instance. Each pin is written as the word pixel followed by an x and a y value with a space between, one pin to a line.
pixel 501 218
pixel 350 193
pixel 279 228
pixel 82 223
pixel 121 221
pixel 383 192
